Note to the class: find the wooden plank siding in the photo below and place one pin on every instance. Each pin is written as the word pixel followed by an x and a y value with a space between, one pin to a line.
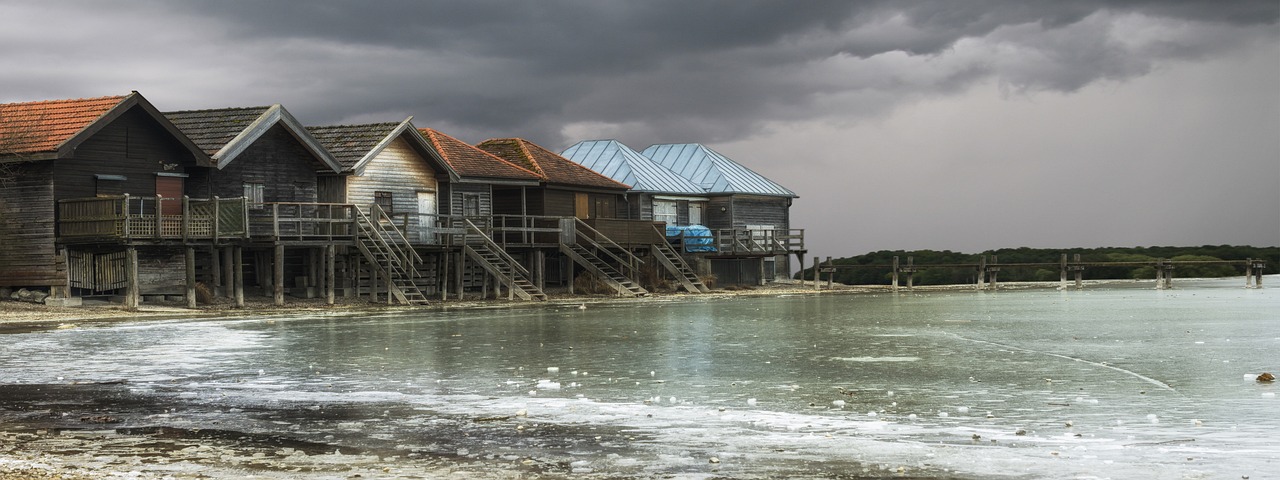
pixel 397 169
pixel 276 160
pixel 28 256
pixel 458 190
pixel 134 146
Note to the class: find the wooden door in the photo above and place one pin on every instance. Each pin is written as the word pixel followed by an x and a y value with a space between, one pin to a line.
pixel 426 222
pixel 169 189
pixel 581 206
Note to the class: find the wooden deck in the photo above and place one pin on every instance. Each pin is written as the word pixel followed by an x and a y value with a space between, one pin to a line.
pixel 126 219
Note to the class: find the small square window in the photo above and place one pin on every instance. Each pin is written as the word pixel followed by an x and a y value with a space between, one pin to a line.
pixel 253 192
pixel 384 201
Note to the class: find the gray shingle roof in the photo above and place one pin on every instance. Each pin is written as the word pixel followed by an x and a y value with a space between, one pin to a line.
pixel 213 129
pixel 350 143
pixel 224 133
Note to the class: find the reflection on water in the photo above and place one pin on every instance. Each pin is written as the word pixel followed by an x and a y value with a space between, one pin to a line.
pixel 1122 382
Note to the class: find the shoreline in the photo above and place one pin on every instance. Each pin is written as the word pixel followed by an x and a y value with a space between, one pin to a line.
pixel 19 317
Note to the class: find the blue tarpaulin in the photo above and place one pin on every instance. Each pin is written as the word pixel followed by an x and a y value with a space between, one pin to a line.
pixel 697 238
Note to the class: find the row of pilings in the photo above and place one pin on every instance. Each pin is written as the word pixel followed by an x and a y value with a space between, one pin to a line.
pixel 988 270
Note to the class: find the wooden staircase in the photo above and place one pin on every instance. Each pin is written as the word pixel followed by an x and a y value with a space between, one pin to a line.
pixel 578 243
pixel 389 252
pixel 676 265
pixel 490 256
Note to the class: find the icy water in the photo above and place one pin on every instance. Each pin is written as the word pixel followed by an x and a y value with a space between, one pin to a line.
pixel 1117 382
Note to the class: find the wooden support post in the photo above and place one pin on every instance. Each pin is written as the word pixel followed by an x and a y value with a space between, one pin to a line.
pixel 1248 273
pixel 228 272
pixel 277 277
pixel 314 269
pixel 895 273
pixel 831 274
pixel 238 264
pixel 484 285
pixel 443 283
pixel 215 269
pixel 330 275
pixel 391 284
pixel 461 263
pixel 374 282
pixel 1160 274
pixel 191 277
pixel 540 268
pixel 133 293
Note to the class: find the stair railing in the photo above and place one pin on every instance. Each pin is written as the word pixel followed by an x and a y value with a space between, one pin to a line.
pixel 387 243
pixel 495 248
pixel 631 263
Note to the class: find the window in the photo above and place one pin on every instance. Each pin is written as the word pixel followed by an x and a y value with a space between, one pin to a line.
pixel 253 192
pixel 695 213
pixel 109 185
pixel 470 205
pixel 664 211
pixel 384 201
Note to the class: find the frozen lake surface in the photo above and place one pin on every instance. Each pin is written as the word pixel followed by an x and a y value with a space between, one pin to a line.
pixel 1116 382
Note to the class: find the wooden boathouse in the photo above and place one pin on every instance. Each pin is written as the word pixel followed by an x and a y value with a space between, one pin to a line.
pixel 110 197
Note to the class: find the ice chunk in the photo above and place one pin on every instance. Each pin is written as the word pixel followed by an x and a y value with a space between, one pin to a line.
pixel 548 385
pixel 553 369
pixel 962 409
pixel 838 403
pixel 751 401
pixel 1151 417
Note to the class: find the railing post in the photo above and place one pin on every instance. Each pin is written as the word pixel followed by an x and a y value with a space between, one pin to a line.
pixel 275 220
pixel 159 215
pixel 124 215
pixel 186 218
pixel 244 214
pixel 217 208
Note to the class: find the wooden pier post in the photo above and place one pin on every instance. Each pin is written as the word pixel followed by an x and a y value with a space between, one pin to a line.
pixel 191 277
pixel 831 273
pixel 911 274
pixel 800 258
pixel 817 273
pixel 133 293
pixel 1079 269
pixel 1258 267
pixel 373 282
pixel 895 274
pixel 443 282
pixel 238 261
pixel 994 274
pixel 461 264
pixel 277 276
pixel 1248 273
pixel 1062 273
pixel 982 272
pixel 540 268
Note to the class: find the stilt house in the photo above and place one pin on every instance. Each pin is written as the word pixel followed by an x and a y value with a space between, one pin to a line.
pixel 90 180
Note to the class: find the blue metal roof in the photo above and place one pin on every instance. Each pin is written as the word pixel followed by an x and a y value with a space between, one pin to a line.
pixel 617 161
pixel 713 171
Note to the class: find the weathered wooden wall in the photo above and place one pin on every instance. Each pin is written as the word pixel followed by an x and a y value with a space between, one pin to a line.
pixel 397 169
pixel 482 190
pixel 760 210
pixel 28 256
pixel 134 146
pixel 277 160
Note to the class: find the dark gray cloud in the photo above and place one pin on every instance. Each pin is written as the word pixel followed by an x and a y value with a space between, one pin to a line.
pixel 727 72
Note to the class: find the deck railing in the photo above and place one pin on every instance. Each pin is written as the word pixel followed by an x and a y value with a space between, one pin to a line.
pixel 304 221
pixel 741 241
pixel 128 218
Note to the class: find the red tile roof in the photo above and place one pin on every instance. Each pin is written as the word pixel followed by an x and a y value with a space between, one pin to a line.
pixel 39 127
pixel 470 161
pixel 553 168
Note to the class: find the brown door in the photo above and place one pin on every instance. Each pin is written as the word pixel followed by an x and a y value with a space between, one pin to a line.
pixel 581 206
pixel 170 191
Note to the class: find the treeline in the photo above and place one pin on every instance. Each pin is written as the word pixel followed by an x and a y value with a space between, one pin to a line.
pixel 950 276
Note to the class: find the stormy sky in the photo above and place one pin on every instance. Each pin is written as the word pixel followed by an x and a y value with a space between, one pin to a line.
pixel 960 125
